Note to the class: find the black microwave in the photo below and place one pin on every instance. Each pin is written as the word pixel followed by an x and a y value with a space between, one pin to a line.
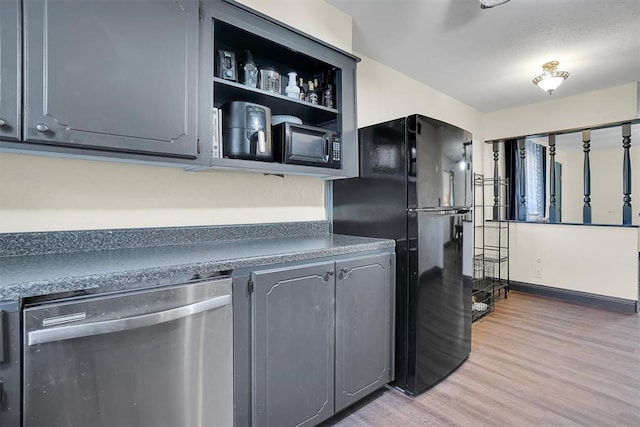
pixel 307 145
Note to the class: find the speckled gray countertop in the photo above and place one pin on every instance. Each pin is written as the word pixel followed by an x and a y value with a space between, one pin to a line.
pixel 131 268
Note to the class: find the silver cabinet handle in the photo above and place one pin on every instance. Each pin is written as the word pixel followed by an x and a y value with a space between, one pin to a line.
pixel 328 275
pixel 117 325
pixel 2 123
pixel 42 127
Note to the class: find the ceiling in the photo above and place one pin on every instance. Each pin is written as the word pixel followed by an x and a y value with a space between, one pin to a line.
pixel 487 58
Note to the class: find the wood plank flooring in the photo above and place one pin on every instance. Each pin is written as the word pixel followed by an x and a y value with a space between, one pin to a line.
pixel 534 362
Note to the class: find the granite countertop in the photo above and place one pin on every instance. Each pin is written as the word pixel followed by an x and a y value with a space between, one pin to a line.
pixel 131 268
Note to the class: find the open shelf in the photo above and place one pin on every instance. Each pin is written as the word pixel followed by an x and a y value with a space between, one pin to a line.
pixel 239 33
pixel 491 250
pixel 312 114
pixel 484 258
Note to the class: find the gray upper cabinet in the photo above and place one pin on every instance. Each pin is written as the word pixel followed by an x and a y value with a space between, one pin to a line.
pixel 10 78
pixel 112 75
pixel 364 327
pixel 231 27
pixel 293 326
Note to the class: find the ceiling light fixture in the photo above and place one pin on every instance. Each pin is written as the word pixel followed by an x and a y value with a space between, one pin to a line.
pixel 463 164
pixel 488 4
pixel 550 78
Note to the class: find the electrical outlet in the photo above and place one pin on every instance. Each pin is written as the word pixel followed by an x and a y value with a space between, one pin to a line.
pixel 537 270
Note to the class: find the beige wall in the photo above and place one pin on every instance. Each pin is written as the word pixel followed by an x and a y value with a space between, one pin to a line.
pixel 315 17
pixel 606 185
pixel 599 260
pixel 606 179
pixel 385 94
pixel 588 110
pixel 596 260
pixel 41 193
pixel 616 104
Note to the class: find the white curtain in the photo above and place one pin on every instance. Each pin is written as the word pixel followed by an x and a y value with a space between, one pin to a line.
pixel 535 182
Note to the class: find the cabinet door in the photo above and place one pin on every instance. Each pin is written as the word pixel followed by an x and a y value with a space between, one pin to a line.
pixel 293 323
pixel 10 362
pixel 10 81
pixel 115 75
pixel 364 322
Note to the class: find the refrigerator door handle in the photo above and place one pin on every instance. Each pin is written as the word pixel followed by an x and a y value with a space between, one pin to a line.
pixel 439 211
pixel 462 211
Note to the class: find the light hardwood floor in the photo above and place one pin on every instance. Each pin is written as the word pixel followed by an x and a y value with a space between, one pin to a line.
pixel 534 362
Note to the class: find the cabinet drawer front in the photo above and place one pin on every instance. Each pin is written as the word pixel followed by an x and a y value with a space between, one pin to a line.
pixel 113 75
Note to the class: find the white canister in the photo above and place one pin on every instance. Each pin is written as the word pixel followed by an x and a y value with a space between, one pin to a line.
pixel 292 90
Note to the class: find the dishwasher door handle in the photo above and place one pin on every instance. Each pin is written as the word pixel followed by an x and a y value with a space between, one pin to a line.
pixel 117 325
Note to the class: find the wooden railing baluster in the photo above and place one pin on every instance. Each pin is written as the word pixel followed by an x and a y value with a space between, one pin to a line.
pixel 626 175
pixel 586 145
pixel 552 178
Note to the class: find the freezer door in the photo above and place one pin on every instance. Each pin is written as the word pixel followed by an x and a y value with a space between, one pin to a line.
pixel 440 171
pixel 375 204
pixel 161 357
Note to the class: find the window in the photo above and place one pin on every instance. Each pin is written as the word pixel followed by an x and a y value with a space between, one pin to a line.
pixel 535 174
pixel 533 191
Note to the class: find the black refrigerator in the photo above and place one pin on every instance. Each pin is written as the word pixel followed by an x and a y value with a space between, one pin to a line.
pixel 415 187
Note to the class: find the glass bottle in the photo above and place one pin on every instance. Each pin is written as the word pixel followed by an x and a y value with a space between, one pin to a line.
pixel 327 96
pixel 312 96
pixel 318 90
pixel 302 91
pixel 248 70
pixel 327 93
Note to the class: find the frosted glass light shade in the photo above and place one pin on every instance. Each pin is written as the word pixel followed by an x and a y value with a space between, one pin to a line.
pixel 490 3
pixel 551 78
pixel 550 83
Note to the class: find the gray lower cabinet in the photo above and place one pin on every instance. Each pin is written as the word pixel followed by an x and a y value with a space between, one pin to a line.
pixel 293 327
pixel 112 75
pixel 10 363
pixel 322 338
pixel 10 78
pixel 364 327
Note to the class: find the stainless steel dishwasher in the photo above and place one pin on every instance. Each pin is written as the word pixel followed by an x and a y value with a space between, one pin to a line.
pixel 161 357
